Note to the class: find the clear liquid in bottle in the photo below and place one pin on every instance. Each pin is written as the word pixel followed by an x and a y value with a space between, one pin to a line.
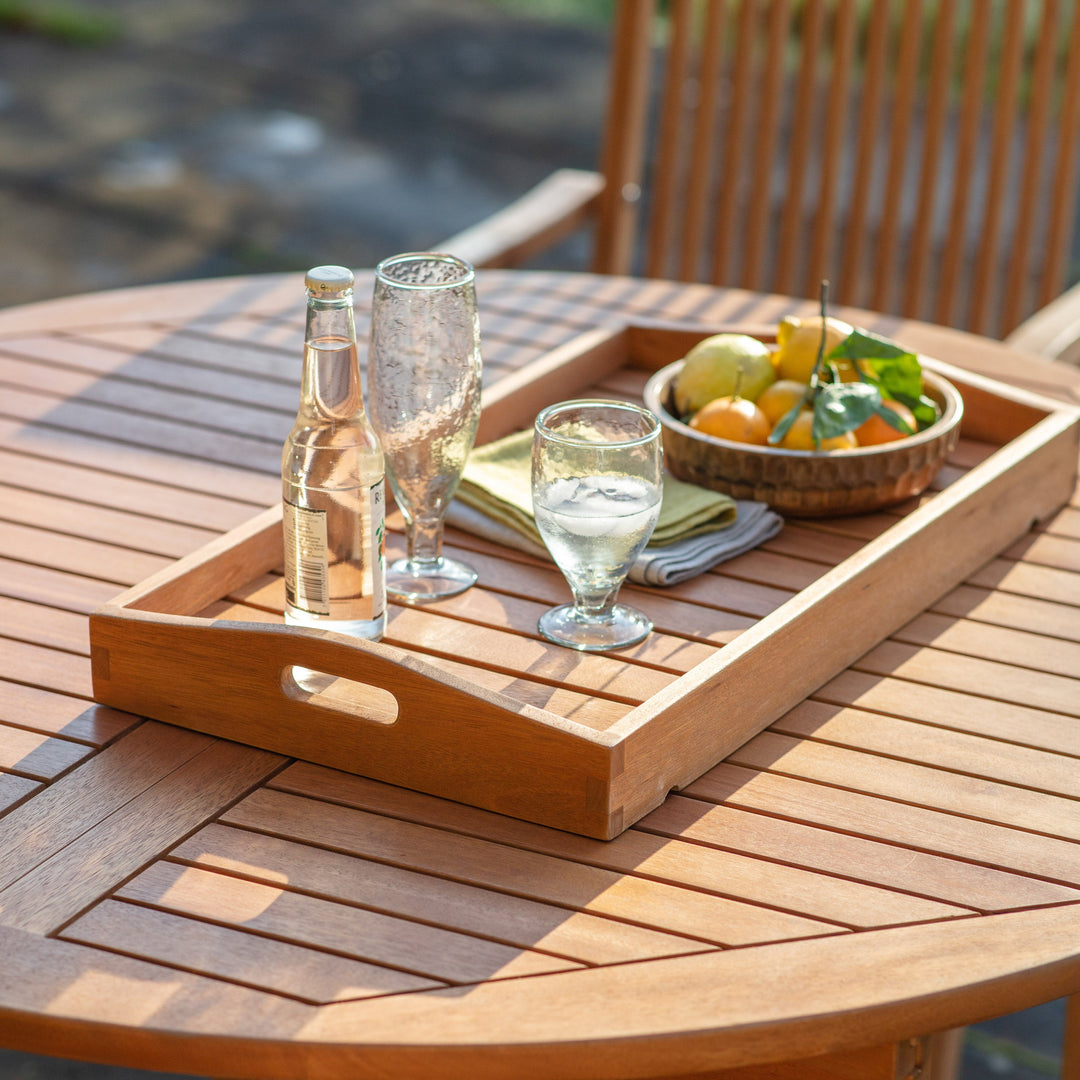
pixel 332 473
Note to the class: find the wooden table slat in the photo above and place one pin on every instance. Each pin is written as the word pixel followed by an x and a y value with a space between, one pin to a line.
pixel 1042 616
pixel 119 527
pixel 14 789
pixel 1066 522
pixel 104 854
pixel 49 669
pixel 106 782
pixel 711 919
pixel 244 384
pixel 143 403
pixel 278 967
pixel 58 714
pixel 1015 724
pixel 1022 648
pixel 974 796
pixel 76 556
pixel 1026 579
pixel 38 756
pixel 904 824
pixel 1048 549
pixel 430 952
pixel 847 902
pixel 149 501
pixel 38 625
pixel 960 752
pixel 150 463
pixel 900 868
pixel 210 348
pixel 259 452
pixel 514 920
pixel 54 588
pixel 997 681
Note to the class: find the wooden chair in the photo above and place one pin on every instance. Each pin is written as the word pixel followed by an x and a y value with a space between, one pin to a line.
pixel 921 156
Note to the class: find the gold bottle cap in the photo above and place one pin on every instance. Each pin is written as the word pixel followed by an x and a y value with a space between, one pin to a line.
pixel 329 281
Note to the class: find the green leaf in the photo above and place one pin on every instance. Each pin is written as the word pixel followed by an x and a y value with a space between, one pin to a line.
pixel 862 345
pixel 842 407
pixel 894 420
pixel 783 425
pixel 895 370
pixel 901 375
pixel 924 409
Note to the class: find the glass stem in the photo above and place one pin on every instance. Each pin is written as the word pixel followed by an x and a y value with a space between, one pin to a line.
pixel 425 541
pixel 596 605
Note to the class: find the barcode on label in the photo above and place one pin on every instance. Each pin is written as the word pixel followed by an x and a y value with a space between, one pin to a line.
pixel 307 583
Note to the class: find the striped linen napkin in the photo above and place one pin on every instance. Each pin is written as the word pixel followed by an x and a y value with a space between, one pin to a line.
pixel 696 530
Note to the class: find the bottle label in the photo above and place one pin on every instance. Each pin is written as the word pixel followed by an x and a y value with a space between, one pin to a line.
pixel 378 543
pixel 307 584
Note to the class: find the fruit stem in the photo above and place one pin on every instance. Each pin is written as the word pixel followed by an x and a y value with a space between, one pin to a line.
pixel 814 375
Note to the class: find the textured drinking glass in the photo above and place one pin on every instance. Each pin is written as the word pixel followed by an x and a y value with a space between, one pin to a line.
pixel 596 488
pixel 424 391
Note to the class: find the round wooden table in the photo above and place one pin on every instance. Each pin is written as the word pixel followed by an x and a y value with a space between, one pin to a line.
pixel 897 855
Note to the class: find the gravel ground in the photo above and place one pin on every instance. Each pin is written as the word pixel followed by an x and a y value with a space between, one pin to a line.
pixel 208 138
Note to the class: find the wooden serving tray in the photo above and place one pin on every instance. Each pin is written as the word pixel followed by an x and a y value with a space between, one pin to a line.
pixel 463 700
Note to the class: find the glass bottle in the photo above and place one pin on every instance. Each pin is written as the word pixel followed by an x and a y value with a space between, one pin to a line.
pixel 332 477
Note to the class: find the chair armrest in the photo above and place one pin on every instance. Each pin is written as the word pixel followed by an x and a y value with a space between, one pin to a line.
pixel 555 207
pixel 1053 331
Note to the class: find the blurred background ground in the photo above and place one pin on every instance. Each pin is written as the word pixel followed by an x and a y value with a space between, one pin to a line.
pixel 158 141
pixel 192 138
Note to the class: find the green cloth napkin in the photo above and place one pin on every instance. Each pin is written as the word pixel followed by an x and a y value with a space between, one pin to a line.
pixel 498 482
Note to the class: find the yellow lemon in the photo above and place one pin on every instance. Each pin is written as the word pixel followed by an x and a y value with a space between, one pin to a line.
pixel 785 328
pixel 799 344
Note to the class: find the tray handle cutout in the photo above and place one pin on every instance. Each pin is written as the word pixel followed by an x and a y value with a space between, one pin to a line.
pixel 324 690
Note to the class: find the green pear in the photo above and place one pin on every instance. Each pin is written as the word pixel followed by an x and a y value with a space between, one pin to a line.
pixel 720 365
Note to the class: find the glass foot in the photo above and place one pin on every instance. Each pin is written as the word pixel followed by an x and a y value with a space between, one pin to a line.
pixel 567 626
pixel 414 582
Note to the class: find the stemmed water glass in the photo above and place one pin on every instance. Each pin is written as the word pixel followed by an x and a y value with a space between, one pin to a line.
pixel 596 488
pixel 424 394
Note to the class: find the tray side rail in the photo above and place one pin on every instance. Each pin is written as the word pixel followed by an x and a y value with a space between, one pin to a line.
pixel 384 713
pixel 694 723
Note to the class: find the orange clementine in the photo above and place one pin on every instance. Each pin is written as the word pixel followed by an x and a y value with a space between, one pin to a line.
pixel 735 418
pixel 778 400
pixel 875 431
pixel 800 436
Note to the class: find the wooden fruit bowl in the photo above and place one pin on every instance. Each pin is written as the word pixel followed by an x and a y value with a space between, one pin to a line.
pixel 806 483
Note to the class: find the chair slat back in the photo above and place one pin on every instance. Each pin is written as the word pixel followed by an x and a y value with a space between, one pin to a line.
pixel 623 150
pixel 1063 197
pixel 922 155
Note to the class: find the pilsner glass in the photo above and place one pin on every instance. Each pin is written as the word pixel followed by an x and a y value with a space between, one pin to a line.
pixel 596 488
pixel 424 391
